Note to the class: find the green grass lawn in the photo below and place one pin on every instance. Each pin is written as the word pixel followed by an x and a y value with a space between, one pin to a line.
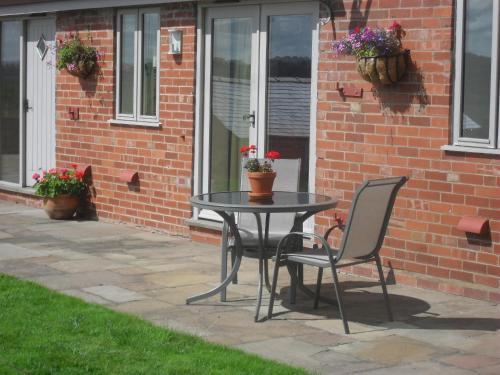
pixel 44 332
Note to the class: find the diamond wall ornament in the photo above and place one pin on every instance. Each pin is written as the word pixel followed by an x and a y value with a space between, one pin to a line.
pixel 42 47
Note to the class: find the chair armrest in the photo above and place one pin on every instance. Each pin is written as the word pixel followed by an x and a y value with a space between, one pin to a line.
pixel 309 236
pixel 340 219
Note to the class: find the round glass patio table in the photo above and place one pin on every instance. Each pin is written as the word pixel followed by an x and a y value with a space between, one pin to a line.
pixel 225 204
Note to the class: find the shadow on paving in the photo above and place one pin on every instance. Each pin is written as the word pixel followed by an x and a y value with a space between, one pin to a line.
pixel 367 307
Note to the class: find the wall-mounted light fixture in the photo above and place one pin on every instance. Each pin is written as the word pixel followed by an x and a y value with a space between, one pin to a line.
pixel 175 41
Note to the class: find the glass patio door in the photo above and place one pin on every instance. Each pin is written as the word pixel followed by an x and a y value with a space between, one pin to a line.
pixel 257 88
pixel 231 45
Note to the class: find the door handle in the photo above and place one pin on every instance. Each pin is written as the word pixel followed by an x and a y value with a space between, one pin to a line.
pixel 27 105
pixel 250 117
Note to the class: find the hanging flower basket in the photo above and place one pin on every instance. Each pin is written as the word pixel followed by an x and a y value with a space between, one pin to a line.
pixel 384 70
pixel 83 69
pixel 77 58
pixel 379 53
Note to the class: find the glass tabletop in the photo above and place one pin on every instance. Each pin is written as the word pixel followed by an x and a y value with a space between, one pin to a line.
pixel 282 201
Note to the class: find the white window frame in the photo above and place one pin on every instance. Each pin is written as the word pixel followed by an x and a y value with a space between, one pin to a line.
pixel 136 118
pixel 492 144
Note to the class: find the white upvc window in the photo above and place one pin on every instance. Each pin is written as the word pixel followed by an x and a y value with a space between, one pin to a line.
pixel 137 66
pixel 476 86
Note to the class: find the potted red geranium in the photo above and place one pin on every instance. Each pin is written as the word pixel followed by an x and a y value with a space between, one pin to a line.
pixel 260 172
pixel 61 189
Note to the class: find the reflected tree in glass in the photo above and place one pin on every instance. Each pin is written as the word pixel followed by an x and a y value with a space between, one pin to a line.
pixel 151 24
pixel 127 63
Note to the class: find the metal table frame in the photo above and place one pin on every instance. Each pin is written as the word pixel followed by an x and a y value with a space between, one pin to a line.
pixel 227 210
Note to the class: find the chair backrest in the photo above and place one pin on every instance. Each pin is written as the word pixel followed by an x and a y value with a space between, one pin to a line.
pixel 369 217
pixel 287 179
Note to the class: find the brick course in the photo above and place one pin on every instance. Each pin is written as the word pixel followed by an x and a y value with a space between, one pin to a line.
pixel 399 131
pixel 163 157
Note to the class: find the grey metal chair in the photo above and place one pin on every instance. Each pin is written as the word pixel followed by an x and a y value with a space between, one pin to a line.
pixel 280 224
pixel 362 239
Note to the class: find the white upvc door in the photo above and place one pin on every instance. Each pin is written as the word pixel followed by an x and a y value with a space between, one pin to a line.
pixel 40 97
pixel 230 94
pixel 259 87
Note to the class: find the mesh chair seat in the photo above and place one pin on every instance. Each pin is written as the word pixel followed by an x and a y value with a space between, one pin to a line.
pixel 314 257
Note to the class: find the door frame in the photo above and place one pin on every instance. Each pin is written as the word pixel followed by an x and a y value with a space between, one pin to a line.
pixel 23 41
pixel 200 146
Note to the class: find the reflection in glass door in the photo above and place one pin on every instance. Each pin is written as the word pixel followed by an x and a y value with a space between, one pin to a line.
pixel 10 54
pixel 289 88
pixel 230 93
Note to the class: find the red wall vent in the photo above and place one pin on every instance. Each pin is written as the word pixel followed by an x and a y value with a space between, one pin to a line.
pixel 128 176
pixel 474 224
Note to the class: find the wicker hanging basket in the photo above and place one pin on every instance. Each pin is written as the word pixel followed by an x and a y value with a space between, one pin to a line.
pixel 83 69
pixel 384 70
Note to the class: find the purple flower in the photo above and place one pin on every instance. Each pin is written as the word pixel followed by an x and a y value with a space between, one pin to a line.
pixel 71 67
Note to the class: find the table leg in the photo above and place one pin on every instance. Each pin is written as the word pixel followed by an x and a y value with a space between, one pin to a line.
pixel 223 261
pixel 239 252
pixel 261 266
pixel 266 264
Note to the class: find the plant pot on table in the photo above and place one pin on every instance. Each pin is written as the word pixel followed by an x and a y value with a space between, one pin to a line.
pixel 62 207
pixel 261 184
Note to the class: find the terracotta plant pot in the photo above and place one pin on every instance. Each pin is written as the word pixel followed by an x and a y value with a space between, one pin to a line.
pixel 261 184
pixel 384 70
pixel 62 207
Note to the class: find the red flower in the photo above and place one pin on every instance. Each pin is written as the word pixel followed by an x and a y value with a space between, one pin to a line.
pixel 357 30
pixel 74 166
pixel 63 170
pixel 253 148
pixel 395 26
pixel 273 155
pixel 64 177
pixel 244 149
pixel 79 175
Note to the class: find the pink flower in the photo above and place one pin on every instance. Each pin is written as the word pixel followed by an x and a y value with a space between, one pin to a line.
pixel 52 171
pixel 35 176
pixel 63 170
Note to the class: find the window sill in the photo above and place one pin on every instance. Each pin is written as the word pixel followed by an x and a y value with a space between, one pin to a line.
pixel 152 124
pixel 206 224
pixel 17 189
pixel 472 150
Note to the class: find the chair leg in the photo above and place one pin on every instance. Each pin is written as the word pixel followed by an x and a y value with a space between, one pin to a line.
pixel 223 268
pixel 384 288
pixel 273 289
pixel 318 287
pixel 233 259
pixel 339 299
pixel 292 270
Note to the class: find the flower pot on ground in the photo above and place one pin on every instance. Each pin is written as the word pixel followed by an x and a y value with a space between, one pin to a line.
pixel 260 173
pixel 379 53
pixel 61 189
pixel 62 207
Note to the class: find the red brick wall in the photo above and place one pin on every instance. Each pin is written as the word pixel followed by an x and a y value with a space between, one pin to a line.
pixel 399 131
pixel 163 157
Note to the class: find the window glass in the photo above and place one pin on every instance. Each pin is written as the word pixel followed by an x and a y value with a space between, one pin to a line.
pixel 289 89
pixel 127 63
pixel 231 62
pixel 477 69
pixel 151 24
pixel 9 100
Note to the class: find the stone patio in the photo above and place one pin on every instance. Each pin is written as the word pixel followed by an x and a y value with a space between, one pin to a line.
pixel 151 274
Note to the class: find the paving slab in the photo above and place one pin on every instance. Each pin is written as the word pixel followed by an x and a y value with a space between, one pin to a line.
pixel 150 274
